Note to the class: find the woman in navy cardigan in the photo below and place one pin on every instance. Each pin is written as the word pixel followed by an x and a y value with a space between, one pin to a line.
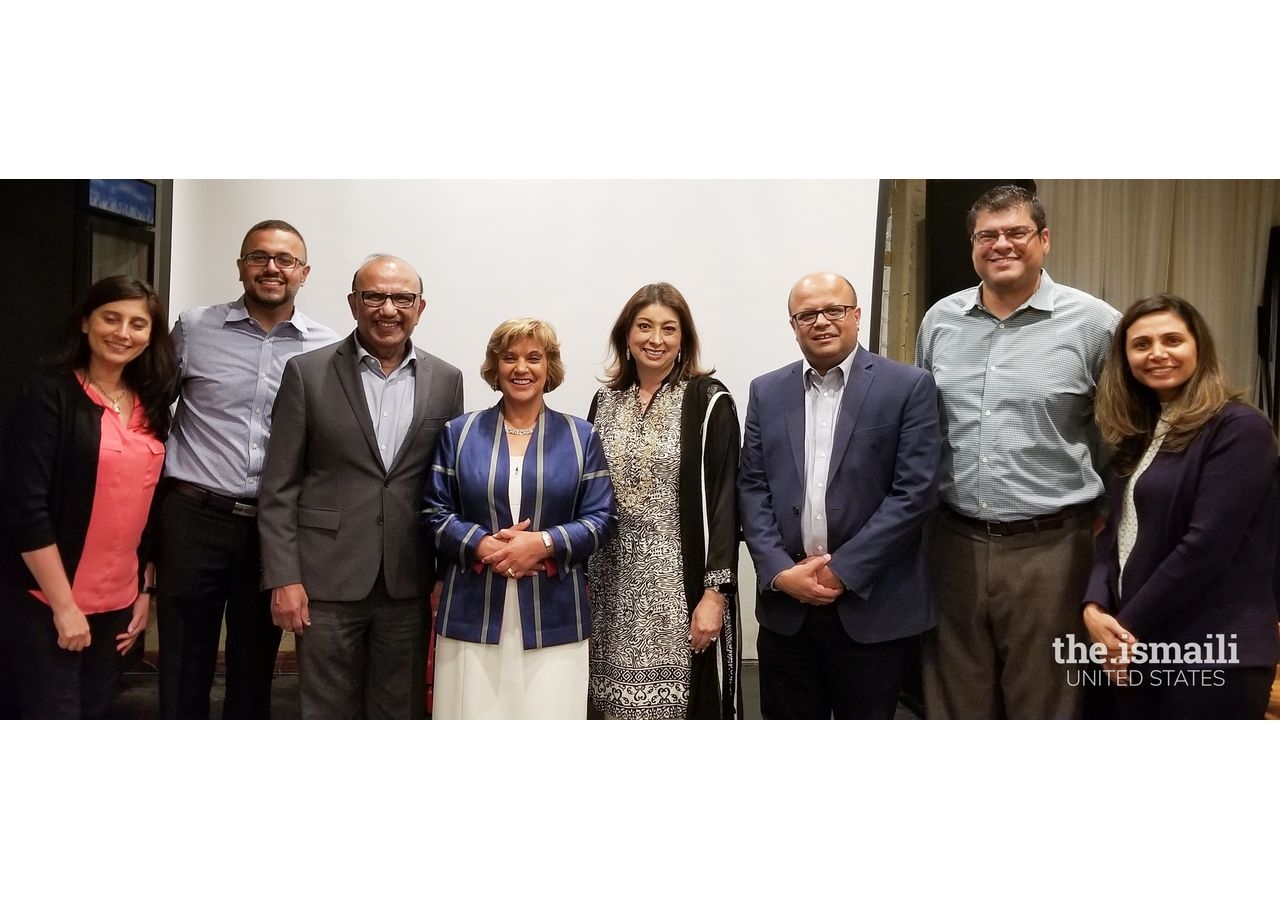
pixel 1182 594
pixel 518 497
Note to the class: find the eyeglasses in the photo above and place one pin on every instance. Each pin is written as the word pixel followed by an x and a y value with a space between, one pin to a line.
pixel 1016 236
pixel 257 259
pixel 400 300
pixel 830 313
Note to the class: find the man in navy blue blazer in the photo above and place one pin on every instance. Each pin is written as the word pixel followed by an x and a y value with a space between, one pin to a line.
pixel 838 475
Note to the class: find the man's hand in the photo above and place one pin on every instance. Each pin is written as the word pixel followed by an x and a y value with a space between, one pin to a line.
pixel 803 582
pixel 289 608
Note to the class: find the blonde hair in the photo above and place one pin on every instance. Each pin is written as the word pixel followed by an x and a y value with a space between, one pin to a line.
pixel 513 330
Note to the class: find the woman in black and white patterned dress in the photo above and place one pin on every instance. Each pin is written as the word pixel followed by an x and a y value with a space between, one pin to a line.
pixel 664 615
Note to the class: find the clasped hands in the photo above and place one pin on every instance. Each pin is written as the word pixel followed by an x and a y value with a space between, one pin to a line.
pixel 810 581
pixel 1105 629
pixel 513 552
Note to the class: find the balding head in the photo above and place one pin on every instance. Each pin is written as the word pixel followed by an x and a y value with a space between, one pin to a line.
pixel 383 326
pixel 387 262
pixel 830 304
pixel 828 282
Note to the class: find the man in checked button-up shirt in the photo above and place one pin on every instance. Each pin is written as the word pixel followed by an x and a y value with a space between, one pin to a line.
pixel 1017 360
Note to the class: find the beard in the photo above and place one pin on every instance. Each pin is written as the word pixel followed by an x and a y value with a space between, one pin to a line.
pixel 268 300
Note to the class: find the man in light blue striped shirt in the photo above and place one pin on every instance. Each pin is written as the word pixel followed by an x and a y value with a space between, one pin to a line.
pixel 1016 360
pixel 231 357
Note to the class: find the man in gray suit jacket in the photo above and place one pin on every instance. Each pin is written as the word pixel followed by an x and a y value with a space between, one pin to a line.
pixel 350 572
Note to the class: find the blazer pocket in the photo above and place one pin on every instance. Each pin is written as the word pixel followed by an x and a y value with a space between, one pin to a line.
pixel 315 517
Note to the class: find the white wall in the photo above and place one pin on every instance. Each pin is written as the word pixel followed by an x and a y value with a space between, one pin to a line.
pixel 570 252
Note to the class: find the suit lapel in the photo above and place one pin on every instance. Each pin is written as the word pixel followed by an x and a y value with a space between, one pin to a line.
pixel 421 394
pixel 346 363
pixel 793 402
pixel 861 374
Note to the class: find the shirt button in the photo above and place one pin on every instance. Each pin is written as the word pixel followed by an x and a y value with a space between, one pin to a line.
pixel 1001 325
pixel 986 412
pixel 983 505
pixel 984 459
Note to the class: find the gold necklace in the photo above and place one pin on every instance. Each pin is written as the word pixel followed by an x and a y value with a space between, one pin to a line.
pixel 114 401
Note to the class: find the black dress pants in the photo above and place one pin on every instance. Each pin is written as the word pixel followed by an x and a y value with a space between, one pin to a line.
pixel 64 684
pixel 207 566
pixel 822 673
pixel 1231 692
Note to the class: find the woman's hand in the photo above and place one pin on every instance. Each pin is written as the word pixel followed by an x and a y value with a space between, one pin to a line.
pixel 1105 629
pixel 73 628
pixel 137 625
pixel 45 564
pixel 706 621
pixel 522 552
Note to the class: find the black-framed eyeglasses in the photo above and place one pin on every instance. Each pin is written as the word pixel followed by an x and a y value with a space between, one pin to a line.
pixel 1017 236
pixel 830 313
pixel 257 259
pixel 400 299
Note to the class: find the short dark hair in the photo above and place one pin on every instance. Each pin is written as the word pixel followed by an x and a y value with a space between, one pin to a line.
pixel 153 374
pixel 1006 196
pixel 620 372
pixel 273 225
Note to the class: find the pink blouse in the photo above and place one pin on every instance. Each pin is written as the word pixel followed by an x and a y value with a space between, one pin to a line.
pixel 129 463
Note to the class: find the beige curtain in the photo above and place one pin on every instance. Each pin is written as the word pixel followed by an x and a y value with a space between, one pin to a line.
pixel 1203 240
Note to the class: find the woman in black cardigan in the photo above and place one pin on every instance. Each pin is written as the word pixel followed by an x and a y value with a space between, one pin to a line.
pixel 83 450
pixel 1182 594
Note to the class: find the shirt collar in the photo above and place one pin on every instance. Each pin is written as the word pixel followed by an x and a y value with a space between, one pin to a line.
pixel 362 355
pixel 1042 299
pixel 811 376
pixel 238 311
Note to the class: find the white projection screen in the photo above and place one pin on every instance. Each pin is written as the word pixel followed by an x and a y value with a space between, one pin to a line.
pixel 568 251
